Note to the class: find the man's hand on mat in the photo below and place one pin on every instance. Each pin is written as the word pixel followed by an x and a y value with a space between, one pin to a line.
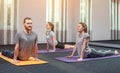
pixel 16 61
pixel 79 59
pixel 36 59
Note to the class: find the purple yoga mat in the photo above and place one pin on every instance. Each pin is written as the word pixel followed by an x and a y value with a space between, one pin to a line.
pixel 57 50
pixel 74 58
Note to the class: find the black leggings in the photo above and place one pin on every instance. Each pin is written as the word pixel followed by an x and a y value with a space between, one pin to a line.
pixel 9 54
pixel 60 45
pixel 101 53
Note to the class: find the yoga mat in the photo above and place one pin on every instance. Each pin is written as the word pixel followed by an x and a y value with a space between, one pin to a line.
pixel 57 50
pixel 31 61
pixel 74 58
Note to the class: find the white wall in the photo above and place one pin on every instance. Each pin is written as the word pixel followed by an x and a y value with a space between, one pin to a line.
pixel 36 9
pixel 101 20
pixel 73 18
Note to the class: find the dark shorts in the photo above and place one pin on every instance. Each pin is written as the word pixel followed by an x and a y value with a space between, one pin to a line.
pixel 60 45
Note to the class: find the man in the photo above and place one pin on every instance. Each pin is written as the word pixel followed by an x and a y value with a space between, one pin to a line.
pixel 25 43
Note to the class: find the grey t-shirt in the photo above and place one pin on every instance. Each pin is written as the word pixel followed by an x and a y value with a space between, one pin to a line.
pixel 26 44
pixel 79 42
pixel 49 35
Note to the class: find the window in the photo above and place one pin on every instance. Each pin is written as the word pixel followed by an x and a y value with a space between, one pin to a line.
pixel 7 21
pixel 115 22
pixel 56 13
pixel 86 13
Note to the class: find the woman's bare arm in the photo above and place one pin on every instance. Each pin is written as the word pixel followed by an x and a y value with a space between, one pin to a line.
pixel 86 40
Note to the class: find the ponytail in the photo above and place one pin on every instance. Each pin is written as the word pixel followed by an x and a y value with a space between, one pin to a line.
pixel 52 26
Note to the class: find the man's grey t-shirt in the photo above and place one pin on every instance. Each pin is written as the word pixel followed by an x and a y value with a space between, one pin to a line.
pixel 26 44
pixel 79 43
pixel 49 35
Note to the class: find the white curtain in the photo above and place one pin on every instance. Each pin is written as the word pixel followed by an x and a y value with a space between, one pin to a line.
pixel 56 13
pixel 7 21
pixel 115 19
pixel 86 13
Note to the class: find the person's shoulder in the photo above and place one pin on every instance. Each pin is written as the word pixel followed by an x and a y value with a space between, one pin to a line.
pixel 51 33
pixel 34 33
pixel 86 34
pixel 20 32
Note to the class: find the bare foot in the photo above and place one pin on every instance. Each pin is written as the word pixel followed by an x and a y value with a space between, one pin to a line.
pixel 52 51
pixel 69 56
pixel 79 59
pixel 109 50
pixel 73 46
pixel 116 52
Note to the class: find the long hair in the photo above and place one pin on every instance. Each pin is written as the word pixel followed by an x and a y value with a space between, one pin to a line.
pixel 84 26
pixel 52 26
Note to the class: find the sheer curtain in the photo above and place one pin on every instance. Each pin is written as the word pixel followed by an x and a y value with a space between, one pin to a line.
pixel 7 21
pixel 86 13
pixel 115 19
pixel 56 13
